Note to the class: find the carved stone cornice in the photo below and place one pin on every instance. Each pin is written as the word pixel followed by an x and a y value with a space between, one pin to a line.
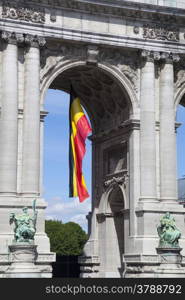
pixel 34 40
pixel 33 11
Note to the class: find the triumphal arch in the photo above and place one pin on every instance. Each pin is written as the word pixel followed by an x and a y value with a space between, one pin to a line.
pixel 125 60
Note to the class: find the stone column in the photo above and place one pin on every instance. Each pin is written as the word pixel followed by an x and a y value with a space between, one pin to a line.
pixel 31 118
pixel 168 179
pixel 9 114
pixel 147 128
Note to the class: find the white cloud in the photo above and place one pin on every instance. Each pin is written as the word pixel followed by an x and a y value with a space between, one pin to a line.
pixel 50 217
pixel 70 210
pixel 80 219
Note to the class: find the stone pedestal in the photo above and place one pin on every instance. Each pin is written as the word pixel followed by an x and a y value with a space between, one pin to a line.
pixel 23 257
pixel 170 255
pixel 168 263
pixel 171 263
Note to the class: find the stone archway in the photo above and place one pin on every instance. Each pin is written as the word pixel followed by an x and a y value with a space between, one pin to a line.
pixel 132 112
pixel 107 102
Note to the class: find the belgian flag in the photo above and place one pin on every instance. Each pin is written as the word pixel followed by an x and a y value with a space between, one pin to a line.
pixel 79 130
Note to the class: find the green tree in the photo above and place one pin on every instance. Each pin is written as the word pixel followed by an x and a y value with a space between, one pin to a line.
pixel 65 239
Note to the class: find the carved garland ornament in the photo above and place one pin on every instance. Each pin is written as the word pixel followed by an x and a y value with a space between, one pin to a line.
pixel 24 14
pixel 160 32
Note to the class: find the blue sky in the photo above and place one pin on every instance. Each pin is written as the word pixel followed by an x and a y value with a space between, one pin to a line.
pixel 181 142
pixel 56 171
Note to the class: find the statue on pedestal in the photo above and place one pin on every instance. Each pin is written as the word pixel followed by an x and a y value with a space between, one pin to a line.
pixel 25 225
pixel 168 233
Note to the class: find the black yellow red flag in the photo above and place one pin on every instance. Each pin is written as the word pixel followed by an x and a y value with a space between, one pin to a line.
pixel 79 130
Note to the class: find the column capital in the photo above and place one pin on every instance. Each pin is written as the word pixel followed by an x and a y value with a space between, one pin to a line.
pixel 150 55
pixel 170 57
pixel 35 41
pixel 12 37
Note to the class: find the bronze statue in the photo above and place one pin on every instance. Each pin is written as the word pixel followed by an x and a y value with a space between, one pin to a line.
pixel 168 233
pixel 25 226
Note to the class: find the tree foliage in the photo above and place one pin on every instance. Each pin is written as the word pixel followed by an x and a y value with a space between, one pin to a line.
pixel 65 239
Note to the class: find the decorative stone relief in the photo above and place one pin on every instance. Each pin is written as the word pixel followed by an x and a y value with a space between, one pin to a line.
pixel 128 65
pixel 35 40
pixel 23 14
pixel 150 55
pixel 179 74
pixel 54 53
pixel 160 32
pixel 173 57
pixel 12 37
pixel 92 54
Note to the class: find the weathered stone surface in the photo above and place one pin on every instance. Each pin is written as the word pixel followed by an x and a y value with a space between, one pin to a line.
pixel 126 62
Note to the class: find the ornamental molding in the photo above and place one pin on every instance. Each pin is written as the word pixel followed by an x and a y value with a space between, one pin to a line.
pixel 21 13
pixel 161 32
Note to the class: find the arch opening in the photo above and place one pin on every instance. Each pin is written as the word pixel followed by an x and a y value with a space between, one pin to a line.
pixel 108 105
